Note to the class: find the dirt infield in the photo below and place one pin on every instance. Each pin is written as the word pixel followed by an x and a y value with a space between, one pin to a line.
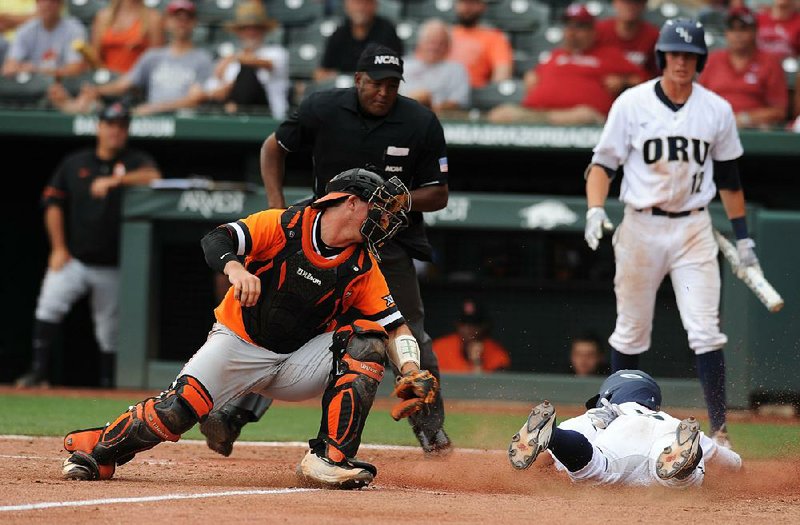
pixel 468 487
pixel 176 483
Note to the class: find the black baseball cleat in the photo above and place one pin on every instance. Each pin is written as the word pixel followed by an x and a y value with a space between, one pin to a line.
pixel 533 437
pixel 434 445
pixel 682 457
pixel 222 428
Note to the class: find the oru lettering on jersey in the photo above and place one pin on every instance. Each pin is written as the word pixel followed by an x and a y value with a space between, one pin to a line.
pixel 675 149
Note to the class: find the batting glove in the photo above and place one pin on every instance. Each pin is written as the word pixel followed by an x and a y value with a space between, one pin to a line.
pixel 596 223
pixel 603 416
pixel 747 254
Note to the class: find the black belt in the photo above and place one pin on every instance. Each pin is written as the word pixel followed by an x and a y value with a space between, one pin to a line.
pixel 671 214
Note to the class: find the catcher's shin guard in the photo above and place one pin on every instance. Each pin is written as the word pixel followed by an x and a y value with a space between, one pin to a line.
pixel 359 353
pixel 96 451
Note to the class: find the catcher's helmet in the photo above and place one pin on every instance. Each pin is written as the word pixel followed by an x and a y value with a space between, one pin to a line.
pixel 389 202
pixel 682 34
pixel 626 386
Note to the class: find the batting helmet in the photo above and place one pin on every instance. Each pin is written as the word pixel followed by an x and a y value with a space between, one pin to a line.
pixel 626 386
pixel 682 35
pixel 389 203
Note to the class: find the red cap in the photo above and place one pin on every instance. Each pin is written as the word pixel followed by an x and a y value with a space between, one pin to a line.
pixel 578 13
pixel 181 5
pixel 743 15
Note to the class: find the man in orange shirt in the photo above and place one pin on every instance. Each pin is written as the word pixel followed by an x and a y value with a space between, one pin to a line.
pixel 484 51
pixel 308 313
pixel 469 348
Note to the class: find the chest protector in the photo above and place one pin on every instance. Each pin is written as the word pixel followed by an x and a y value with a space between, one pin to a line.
pixel 298 299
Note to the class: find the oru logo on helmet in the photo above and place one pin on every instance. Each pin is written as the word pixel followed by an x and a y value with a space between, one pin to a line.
pixel 684 34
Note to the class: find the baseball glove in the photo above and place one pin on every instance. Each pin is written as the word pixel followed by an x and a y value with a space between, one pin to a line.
pixel 415 389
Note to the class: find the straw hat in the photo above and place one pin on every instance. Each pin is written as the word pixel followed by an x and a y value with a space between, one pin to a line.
pixel 249 14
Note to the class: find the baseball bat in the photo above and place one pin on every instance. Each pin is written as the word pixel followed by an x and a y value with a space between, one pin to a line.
pixel 88 53
pixel 751 276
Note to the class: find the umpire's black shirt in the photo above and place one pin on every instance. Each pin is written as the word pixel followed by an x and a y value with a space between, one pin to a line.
pixel 92 225
pixel 407 143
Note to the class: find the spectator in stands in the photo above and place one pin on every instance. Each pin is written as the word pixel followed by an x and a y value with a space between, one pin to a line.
pixel 44 44
pixel 361 27
pixel 586 356
pixel 431 78
pixel 13 14
pixel 629 31
pixel 470 349
pixel 577 84
pixel 257 74
pixel 779 29
pixel 172 76
pixel 752 81
pixel 82 213
pixel 123 31
pixel 484 51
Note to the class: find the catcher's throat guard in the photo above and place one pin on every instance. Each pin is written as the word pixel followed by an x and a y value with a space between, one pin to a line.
pixel 389 205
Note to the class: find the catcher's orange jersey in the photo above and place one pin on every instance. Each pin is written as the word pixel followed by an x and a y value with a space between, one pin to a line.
pixel 261 238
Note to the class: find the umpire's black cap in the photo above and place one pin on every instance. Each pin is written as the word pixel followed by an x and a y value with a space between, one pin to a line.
pixel 380 62
pixel 114 111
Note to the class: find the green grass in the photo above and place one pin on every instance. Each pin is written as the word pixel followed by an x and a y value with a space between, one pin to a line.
pixel 54 416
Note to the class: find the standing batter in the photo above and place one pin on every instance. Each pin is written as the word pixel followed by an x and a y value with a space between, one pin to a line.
pixel 678 144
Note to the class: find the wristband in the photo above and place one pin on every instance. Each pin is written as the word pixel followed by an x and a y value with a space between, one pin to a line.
pixel 406 350
pixel 740 227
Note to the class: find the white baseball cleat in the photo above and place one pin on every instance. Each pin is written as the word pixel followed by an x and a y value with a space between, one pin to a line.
pixel 533 437
pixel 317 471
pixel 682 457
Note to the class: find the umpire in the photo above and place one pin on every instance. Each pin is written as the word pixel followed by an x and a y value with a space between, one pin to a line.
pixel 369 126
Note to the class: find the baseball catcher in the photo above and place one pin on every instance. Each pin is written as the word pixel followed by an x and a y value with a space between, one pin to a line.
pixel 308 313
pixel 624 438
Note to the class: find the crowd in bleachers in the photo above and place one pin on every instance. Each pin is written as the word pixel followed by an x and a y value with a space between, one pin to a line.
pixel 538 61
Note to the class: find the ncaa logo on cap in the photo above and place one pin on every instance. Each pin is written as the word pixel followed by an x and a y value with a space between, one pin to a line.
pixel 387 59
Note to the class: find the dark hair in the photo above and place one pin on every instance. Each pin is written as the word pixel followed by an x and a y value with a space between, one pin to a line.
pixel 590 337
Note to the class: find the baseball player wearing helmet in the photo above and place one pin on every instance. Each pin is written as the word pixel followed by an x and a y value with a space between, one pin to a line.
pixel 308 313
pixel 623 438
pixel 678 144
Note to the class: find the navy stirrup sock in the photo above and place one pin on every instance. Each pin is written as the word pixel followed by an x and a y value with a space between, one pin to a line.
pixel 711 372
pixel 620 361
pixel 571 448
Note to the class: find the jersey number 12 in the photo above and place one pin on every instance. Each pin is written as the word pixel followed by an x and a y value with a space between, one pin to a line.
pixel 697 181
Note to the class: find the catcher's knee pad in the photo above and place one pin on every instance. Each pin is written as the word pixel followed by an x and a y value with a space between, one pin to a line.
pixel 359 353
pixel 144 425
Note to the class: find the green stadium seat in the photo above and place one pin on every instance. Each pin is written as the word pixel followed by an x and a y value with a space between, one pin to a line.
pixel 294 13
pixel 408 31
pixel 421 10
pixel 340 81
pixel 214 12
pixel 84 10
pixel 713 19
pixel 518 15
pixel 161 5
pixel 24 88
pixel 790 66
pixel 99 77
pixel 666 11
pixel 317 32
pixel 600 9
pixel 715 40
pixel 505 92
pixel 303 59
pixel 539 44
pixel 390 9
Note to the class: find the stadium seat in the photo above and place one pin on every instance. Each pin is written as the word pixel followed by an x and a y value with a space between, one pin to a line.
pixel 295 13
pixel 517 15
pixel 600 9
pixel 24 88
pixel 340 81
pixel 715 40
pixel 421 10
pixel 317 32
pixel 790 67
pixel 666 11
pixel 505 92
pixel 539 44
pixel 713 19
pixel 524 62
pixel 98 77
pixel 408 30
pixel 303 59
pixel 390 9
pixel 84 10
pixel 156 4
pixel 214 12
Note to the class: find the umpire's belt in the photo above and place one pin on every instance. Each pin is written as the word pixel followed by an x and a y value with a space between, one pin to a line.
pixel 671 214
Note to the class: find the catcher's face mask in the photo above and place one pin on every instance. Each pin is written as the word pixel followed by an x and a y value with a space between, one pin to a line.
pixel 388 209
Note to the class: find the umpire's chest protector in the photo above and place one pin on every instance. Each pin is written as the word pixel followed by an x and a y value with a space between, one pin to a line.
pixel 298 298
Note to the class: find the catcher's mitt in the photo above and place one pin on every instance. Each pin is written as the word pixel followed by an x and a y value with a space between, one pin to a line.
pixel 415 389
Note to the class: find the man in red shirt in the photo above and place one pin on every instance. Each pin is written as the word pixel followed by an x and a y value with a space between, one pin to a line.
pixel 469 348
pixel 629 31
pixel 484 51
pixel 779 29
pixel 751 80
pixel 577 84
